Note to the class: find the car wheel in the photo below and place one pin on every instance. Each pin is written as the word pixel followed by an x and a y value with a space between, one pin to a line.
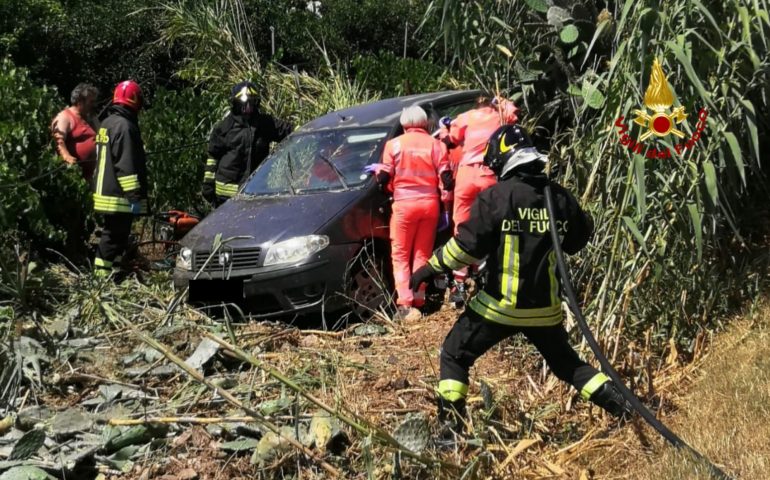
pixel 369 291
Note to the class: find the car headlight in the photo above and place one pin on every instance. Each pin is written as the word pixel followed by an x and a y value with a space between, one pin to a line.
pixel 184 259
pixel 295 249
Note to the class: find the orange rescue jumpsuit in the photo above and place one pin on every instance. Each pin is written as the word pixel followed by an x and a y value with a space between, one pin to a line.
pixel 414 162
pixel 471 130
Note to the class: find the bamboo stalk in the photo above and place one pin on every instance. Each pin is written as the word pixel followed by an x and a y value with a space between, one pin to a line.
pixel 122 422
pixel 81 377
pixel 223 393
pixel 520 447
pixel 356 423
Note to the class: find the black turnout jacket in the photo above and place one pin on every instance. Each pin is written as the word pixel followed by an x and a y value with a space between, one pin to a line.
pixel 236 148
pixel 121 166
pixel 509 225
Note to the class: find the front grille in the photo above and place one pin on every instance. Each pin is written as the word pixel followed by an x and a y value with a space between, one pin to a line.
pixel 240 259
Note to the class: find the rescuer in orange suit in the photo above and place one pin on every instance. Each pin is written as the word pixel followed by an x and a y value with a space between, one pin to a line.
pixel 414 166
pixel 470 132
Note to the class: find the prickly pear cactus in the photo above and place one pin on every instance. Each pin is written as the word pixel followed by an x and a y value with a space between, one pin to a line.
pixel 487 396
pixel 28 445
pixel 69 422
pixel 25 472
pixel 413 433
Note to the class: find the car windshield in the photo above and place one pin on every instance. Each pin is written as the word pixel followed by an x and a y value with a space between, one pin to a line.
pixel 318 161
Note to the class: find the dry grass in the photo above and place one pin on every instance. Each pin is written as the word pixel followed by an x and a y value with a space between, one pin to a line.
pixel 718 403
pixel 725 414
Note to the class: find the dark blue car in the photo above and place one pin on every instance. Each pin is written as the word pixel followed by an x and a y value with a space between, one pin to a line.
pixel 308 231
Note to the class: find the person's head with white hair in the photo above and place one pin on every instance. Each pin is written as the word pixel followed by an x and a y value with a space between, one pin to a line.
pixel 414 117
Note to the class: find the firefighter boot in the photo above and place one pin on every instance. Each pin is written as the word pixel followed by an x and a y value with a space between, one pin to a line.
pixel 610 399
pixel 451 420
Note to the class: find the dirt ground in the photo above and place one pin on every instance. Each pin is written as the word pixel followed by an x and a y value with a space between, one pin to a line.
pixel 542 431
pixel 524 422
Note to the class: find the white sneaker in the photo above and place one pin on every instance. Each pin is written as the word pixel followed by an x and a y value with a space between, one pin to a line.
pixel 407 315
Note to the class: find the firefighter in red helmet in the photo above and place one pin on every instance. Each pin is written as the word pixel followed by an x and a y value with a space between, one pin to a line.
pixel 120 180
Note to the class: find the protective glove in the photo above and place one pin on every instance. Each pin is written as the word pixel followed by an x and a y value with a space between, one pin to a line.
pixel 445 121
pixel 209 193
pixel 136 208
pixel 376 168
pixel 420 276
pixel 443 222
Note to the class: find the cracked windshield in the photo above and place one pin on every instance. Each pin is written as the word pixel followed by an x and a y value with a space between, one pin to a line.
pixel 319 161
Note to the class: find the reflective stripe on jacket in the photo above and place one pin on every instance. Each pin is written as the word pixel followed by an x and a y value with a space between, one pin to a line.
pixel 226 189
pixel 509 226
pixel 237 146
pixel 121 167
pixel 209 170
pixel 415 161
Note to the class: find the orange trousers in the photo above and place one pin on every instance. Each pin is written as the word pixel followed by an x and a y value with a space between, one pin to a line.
pixel 412 233
pixel 471 180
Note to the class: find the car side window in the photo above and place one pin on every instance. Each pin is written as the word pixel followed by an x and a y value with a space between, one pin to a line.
pixel 433 116
pixel 455 109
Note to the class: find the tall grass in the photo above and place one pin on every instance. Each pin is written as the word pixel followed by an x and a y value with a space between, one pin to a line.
pixel 671 247
pixel 725 415
pixel 220 51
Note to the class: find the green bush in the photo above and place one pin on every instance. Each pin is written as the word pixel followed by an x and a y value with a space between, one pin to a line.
pixel 395 76
pixel 38 192
pixel 175 130
pixel 100 42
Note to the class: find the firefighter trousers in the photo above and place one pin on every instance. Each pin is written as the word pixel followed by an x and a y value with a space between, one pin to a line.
pixel 472 336
pixel 114 239
pixel 412 234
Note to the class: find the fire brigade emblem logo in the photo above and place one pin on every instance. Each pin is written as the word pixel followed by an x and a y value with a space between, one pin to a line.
pixel 663 121
pixel 658 98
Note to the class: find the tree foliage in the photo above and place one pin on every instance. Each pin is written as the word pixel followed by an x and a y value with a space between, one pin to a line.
pixel 396 76
pixel 38 192
pixel 220 51
pixel 175 130
pixel 99 42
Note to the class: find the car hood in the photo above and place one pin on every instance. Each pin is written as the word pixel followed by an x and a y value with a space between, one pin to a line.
pixel 267 219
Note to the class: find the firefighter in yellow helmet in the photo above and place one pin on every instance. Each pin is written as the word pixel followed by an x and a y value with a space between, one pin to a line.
pixel 509 226
pixel 239 143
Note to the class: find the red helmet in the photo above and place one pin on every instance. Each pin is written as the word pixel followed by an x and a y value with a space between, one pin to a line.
pixel 128 93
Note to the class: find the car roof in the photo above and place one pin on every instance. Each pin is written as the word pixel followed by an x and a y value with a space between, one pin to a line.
pixel 384 112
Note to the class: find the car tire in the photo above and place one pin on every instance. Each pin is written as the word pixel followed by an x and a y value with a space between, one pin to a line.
pixel 369 287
